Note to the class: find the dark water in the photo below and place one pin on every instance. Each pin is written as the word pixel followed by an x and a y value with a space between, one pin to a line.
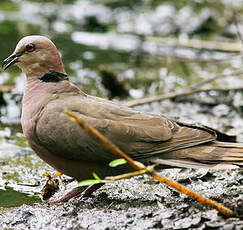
pixel 12 198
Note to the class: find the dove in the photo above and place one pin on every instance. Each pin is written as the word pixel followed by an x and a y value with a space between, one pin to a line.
pixel 68 148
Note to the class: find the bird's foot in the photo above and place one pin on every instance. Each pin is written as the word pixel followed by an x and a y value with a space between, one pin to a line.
pixel 78 192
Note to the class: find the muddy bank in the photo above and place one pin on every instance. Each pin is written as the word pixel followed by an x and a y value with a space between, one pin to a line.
pixel 139 203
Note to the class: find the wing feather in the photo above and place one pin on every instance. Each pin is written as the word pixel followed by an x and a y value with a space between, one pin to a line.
pixel 139 135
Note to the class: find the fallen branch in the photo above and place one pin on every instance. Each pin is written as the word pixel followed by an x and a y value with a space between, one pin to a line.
pixel 148 170
pixel 198 44
pixel 187 92
pixel 198 85
pixel 211 60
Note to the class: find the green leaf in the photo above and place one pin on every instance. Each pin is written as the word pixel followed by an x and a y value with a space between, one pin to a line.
pixel 88 182
pixel 96 176
pixel 115 163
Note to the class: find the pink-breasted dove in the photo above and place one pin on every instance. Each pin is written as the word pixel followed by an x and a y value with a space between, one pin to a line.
pixel 70 149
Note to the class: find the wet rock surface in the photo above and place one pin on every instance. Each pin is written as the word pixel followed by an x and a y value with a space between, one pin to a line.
pixel 139 203
pixel 119 206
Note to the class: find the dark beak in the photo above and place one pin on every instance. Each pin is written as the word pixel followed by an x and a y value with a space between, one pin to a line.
pixel 12 59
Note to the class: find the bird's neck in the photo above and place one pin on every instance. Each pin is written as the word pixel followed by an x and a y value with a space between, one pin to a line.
pixel 34 93
pixel 36 70
pixel 38 92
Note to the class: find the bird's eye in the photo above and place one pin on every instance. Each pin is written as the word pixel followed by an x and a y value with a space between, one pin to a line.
pixel 30 47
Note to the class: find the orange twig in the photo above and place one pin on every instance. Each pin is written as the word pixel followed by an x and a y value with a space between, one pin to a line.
pixel 149 170
pixel 221 208
pixel 96 134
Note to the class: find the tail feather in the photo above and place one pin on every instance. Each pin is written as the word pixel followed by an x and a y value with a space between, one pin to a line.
pixel 191 164
pixel 230 152
pixel 214 155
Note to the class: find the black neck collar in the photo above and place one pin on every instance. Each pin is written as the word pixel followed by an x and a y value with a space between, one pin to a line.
pixel 53 76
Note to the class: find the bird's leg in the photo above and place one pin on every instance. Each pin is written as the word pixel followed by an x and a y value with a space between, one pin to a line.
pixel 89 190
pixel 81 191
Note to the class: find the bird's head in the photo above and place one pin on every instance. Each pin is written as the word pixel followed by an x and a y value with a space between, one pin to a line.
pixel 35 55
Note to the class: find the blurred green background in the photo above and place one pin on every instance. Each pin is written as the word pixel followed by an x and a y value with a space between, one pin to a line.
pixel 84 32
pixel 111 48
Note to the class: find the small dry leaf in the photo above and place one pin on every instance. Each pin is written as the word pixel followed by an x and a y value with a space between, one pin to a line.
pixel 50 185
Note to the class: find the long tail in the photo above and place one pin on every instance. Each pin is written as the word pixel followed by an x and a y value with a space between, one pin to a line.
pixel 214 155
